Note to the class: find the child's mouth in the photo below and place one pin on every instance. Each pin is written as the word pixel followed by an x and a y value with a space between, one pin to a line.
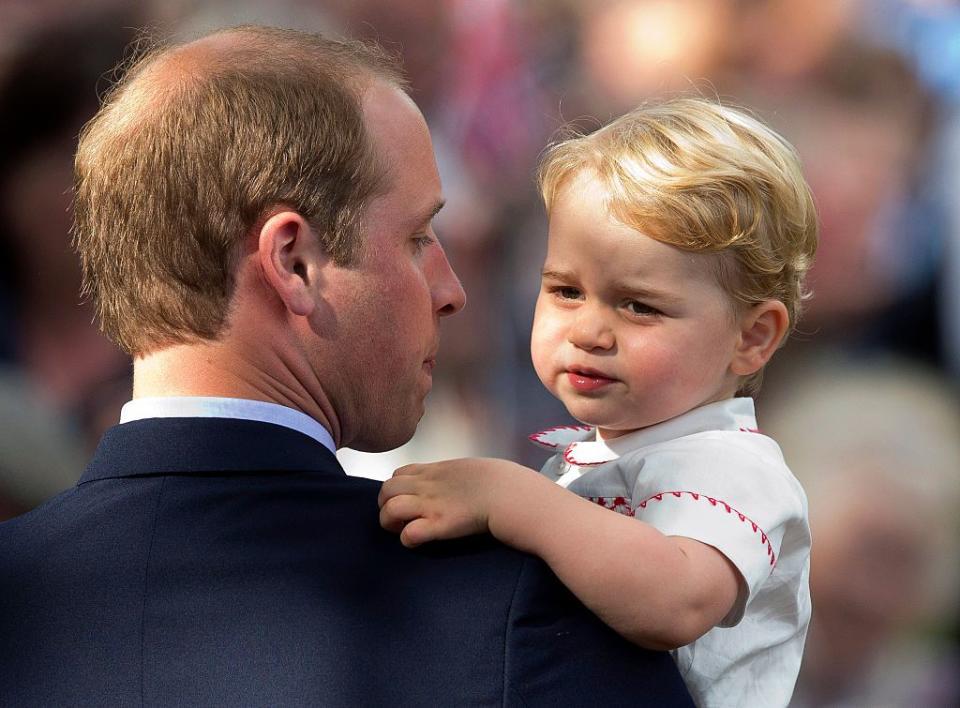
pixel 588 380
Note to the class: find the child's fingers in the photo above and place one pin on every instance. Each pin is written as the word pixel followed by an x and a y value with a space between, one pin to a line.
pixel 407 470
pixel 417 532
pixel 394 487
pixel 398 511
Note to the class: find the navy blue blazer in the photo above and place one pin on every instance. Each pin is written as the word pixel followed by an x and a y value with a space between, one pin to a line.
pixel 228 562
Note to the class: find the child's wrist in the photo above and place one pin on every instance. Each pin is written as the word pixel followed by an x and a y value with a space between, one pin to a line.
pixel 509 504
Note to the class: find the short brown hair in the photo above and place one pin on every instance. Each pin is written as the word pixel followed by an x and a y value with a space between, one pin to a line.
pixel 705 178
pixel 193 146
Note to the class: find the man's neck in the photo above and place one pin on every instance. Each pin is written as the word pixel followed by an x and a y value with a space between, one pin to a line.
pixel 216 370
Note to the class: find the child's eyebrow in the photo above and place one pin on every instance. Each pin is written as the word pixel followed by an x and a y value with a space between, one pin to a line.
pixel 644 293
pixel 623 287
pixel 636 288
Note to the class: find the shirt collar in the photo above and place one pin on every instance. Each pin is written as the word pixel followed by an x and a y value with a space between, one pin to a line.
pixel 582 445
pixel 237 408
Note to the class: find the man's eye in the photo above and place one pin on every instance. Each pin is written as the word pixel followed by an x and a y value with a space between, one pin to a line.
pixel 421 242
pixel 635 307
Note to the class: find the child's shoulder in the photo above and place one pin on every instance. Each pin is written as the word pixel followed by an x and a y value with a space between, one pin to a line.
pixel 744 471
pixel 741 457
pixel 745 444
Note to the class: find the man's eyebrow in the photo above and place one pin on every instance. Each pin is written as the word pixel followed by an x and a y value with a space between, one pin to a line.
pixel 427 215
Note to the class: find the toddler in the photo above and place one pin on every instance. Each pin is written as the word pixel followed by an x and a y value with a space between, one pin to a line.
pixel 678 242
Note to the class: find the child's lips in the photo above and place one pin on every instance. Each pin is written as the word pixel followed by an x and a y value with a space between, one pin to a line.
pixel 588 380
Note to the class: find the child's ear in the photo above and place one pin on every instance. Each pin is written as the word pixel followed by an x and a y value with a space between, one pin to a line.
pixel 762 327
pixel 288 255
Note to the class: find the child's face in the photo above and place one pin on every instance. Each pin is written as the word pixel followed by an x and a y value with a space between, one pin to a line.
pixel 628 331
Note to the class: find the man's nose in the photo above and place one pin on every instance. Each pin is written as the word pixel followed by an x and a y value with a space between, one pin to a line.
pixel 589 330
pixel 448 295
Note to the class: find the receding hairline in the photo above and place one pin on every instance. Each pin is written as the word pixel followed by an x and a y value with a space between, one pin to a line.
pixel 165 70
pixel 257 47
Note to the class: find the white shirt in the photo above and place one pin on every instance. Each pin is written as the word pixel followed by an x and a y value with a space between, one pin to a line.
pixel 711 476
pixel 240 408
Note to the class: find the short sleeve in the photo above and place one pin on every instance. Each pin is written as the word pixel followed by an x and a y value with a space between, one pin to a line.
pixel 731 491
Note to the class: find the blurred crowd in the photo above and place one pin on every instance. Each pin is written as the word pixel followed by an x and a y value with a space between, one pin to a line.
pixel 864 399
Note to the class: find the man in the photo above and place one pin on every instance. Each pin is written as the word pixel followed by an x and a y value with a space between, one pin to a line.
pixel 253 215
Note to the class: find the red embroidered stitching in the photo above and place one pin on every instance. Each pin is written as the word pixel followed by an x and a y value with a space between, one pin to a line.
pixel 568 458
pixel 534 438
pixel 726 507
pixel 621 505
pixel 751 430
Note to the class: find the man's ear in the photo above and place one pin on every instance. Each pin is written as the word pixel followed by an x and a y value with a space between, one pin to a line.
pixel 290 259
pixel 762 327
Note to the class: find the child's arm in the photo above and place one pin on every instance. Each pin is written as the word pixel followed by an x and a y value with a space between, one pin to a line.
pixel 658 591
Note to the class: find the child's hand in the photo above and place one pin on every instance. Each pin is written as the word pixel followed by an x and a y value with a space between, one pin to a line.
pixel 441 500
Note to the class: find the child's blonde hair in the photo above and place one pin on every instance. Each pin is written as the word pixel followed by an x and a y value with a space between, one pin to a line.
pixel 706 178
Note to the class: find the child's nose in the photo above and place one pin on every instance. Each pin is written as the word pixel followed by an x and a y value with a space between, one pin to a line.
pixel 589 331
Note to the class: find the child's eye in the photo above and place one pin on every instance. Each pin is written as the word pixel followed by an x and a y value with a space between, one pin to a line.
pixel 635 307
pixel 567 293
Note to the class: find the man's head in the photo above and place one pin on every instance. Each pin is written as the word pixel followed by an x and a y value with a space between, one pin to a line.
pixel 706 179
pixel 192 149
pixel 254 219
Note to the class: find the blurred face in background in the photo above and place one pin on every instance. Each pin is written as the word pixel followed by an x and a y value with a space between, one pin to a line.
pixel 868 571
pixel 637 48
pixel 859 166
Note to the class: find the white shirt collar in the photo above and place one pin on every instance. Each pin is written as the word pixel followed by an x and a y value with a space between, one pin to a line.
pixel 241 408
pixel 582 445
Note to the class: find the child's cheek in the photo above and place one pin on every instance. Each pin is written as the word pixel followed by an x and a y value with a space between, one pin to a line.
pixel 654 366
pixel 542 355
pixel 545 351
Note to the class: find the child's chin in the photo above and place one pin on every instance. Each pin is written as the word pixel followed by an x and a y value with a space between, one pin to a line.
pixel 588 414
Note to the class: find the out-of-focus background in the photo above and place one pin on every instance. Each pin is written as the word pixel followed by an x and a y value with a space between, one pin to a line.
pixel 864 400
